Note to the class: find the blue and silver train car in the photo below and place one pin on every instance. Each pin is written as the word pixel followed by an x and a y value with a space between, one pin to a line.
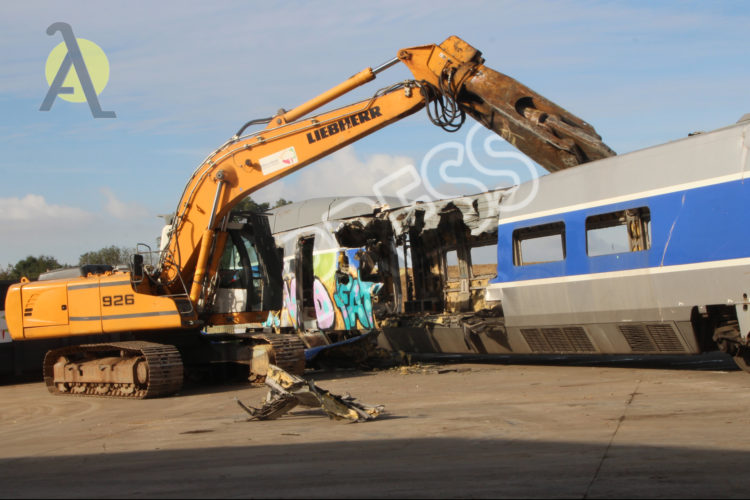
pixel 641 253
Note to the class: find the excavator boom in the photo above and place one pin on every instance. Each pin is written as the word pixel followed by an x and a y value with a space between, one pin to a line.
pixel 449 78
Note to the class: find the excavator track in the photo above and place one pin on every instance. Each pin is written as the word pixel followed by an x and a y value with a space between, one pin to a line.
pixel 287 352
pixel 131 370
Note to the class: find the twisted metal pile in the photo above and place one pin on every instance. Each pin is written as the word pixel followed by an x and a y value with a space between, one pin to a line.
pixel 288 391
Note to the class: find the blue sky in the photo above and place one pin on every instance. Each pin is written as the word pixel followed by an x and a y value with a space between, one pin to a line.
pixel 185 75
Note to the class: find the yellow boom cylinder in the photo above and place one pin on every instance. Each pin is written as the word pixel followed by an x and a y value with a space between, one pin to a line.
pixel 200 267
pixel 364 76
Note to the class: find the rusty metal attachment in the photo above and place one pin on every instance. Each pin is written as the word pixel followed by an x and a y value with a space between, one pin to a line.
pixel 548 134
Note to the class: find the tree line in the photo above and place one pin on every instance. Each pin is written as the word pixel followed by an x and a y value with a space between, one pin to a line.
pixel 32 266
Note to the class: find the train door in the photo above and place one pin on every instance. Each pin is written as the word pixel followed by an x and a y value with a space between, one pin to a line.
pixel 305 279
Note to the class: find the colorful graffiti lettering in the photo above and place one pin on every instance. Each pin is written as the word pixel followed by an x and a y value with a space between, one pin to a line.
pixel 354 299
pixel 324 311
pixel 272 320
pixel 290 302
pixel 341 299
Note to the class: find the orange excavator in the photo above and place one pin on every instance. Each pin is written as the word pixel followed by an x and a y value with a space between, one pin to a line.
pixel 150 318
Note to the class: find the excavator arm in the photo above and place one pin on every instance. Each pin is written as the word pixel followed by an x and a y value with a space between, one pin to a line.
pixel 450 78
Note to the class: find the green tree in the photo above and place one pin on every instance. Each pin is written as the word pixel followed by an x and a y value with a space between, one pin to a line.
pixel 111 255
pixel 30 267
pixel 249 205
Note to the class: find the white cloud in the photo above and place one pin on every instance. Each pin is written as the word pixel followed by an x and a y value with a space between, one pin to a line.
pixel 344 173
pixel 34 207
pixel 121 209
pixel 32 226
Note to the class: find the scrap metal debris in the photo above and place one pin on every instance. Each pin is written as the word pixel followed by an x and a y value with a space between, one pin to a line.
pixel 288 391
pixel 429 369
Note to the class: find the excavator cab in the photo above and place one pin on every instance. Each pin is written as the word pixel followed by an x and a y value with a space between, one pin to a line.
pixel 248 279
pixel 240 278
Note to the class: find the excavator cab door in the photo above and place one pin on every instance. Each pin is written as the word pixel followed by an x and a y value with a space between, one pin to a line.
pixel 249 272
pixel 234 290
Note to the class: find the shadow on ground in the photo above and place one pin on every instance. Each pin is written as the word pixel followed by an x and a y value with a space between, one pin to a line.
pixel 411 468
pixel 701 362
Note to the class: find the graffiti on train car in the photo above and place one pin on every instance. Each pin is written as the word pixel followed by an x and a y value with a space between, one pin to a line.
pixel 340 294
pixel 353 295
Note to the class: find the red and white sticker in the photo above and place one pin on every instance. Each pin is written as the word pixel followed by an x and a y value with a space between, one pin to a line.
pixel 278 161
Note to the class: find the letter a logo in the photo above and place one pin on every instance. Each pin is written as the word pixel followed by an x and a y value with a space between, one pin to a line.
pixel 78 85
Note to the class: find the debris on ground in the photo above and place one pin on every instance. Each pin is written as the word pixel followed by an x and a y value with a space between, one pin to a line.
pixel 361 352
pixel 288 391
pixel 429 369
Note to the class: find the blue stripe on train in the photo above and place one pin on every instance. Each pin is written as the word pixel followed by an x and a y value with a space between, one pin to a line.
pixel 696 225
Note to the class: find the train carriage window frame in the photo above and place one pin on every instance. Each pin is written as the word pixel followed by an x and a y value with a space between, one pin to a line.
pixel 544 238
pixel 631 226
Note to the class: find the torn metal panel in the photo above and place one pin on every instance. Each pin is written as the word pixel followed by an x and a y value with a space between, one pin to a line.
pixel 288 391
pixel 433 230
pixel 479 213
pixel 269 261
pixel 310 213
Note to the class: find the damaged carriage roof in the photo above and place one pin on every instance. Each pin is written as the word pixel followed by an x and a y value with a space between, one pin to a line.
pixel 479 212
pixel 317 210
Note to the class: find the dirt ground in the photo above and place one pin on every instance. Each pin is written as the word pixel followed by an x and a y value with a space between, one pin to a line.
pixel 613 430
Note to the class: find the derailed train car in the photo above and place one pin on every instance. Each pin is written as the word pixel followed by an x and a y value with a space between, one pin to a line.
pixel 636 254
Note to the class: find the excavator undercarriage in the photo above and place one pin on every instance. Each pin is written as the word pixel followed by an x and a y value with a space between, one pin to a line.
pixel 135 369
pixel 140 370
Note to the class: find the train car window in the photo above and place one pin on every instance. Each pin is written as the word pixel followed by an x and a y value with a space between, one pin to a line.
pixel 539 244
pixel 484 260
pixel 451 262
pixel 618 232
